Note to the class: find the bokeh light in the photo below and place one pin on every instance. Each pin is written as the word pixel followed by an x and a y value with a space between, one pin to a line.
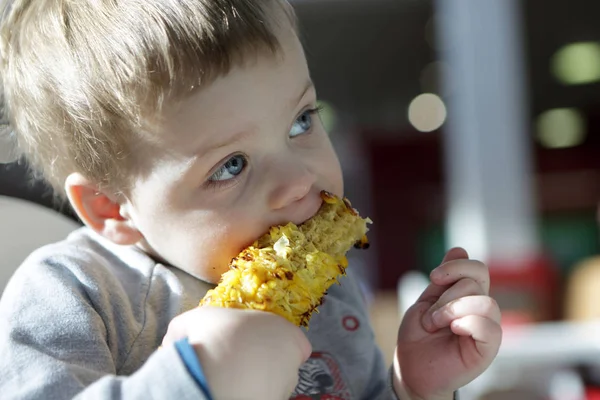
pixel 577 63
pixel 427 112
pixel 561 128
pixel 328 115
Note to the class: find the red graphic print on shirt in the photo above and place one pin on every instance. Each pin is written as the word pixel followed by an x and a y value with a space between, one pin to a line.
pixel 320 378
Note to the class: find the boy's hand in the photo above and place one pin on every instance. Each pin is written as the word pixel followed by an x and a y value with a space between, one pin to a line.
pixel 451 334
pixel 244 354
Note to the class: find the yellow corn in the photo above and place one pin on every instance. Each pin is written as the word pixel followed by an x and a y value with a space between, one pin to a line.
pixel 289 269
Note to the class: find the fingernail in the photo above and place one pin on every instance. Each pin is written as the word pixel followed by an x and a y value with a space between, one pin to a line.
pixel 436 317
pixel 458 323
pixel 427 322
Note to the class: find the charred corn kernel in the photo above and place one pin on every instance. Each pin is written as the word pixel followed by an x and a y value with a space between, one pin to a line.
pixel 363 243
pixel 289 269
pixel 344 261
pixel 329 198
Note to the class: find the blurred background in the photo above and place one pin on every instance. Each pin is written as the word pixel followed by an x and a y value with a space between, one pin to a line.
pixel 471 123
pixel 475 123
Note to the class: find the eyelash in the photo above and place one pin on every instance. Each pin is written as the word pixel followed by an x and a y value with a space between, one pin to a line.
pixel 218 184
pixel 314 111
pixel 221 184
pixel 318 108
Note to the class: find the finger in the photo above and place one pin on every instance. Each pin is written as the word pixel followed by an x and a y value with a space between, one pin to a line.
pixel 174 333
pixel 271 321
pixel 480 338
pixel 463 288
pixel 483 306
pixel 432 293
pixel 434 290
pixel 454 270
pixel 177 328
pixel 455 253
pixel 305 347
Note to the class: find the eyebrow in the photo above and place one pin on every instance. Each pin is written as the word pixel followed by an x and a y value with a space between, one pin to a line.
pixel 307 87
pixel 238 137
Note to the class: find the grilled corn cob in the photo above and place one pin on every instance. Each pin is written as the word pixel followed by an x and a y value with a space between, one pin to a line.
pixel 289 269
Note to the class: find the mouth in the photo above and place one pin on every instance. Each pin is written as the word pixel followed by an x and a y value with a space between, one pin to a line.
pixel 306 208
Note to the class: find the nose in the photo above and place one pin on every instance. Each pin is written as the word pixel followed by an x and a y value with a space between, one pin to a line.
pixel 292 183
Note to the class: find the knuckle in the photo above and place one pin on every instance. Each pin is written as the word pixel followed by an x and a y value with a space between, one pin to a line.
pixel 490 306
pixel 452 308
pixel 471 286
pixel 174 323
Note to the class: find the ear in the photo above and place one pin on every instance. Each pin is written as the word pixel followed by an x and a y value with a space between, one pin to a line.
pixel 100 211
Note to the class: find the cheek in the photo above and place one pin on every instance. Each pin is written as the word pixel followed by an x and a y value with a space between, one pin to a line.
pixel 201 243
pixel 337 178
pixel 331 170
pixel 211 247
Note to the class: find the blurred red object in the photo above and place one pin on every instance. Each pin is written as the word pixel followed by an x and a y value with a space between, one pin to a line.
pixel 592 393
pixel 527 290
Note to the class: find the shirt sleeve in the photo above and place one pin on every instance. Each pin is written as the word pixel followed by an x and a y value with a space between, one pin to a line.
pixel 163 376
pixel 60 339
pixel 190 359
pixel 391 386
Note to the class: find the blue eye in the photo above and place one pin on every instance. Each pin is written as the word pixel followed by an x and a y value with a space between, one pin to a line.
pixel 232 168
pixel 303 123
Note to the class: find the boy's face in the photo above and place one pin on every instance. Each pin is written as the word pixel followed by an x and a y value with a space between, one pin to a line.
pixel 244 153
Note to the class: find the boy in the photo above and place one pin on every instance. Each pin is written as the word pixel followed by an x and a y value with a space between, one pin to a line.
pixel 180 130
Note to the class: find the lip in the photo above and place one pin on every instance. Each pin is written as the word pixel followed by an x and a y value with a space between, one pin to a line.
pixel 305 208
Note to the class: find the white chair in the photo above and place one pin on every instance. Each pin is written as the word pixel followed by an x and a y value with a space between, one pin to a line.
pixel 25 226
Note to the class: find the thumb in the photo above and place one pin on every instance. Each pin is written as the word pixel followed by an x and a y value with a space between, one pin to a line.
pixel 456 253
pixel 304 345
pixel 175 331
pixel 178 327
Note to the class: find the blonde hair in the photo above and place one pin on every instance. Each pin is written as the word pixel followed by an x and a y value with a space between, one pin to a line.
pixel 83 79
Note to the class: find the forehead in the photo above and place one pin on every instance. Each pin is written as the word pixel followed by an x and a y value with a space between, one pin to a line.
pixel 263 86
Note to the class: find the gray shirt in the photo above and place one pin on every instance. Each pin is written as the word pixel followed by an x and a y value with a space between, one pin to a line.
pixel 85 318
